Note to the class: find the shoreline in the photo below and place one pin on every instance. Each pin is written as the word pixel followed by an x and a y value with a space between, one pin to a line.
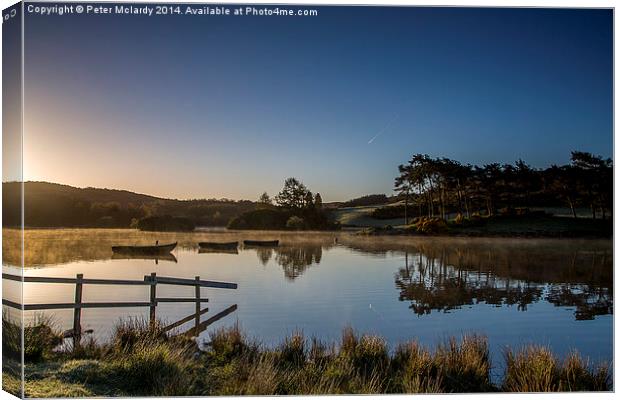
pixel 142 360
pixel 354 231
pixel 475 235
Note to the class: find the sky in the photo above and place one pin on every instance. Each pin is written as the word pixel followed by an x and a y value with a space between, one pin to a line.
pixel 11 97
pixel 215 106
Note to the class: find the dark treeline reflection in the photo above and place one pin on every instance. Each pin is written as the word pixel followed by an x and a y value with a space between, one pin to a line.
pixel 443 279
pixel 440 275
pixel 294 260
pixel 432 285
pixel 589 300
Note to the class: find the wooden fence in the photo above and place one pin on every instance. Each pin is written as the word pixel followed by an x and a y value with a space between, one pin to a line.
pixel 149 280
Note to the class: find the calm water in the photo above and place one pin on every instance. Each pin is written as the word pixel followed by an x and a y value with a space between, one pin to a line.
pixel 553 292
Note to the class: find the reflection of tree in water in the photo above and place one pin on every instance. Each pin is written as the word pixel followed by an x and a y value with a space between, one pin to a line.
pixel 295 260
pixel 264 255
pixel 589 301
pixel 430 284
pixel 447 279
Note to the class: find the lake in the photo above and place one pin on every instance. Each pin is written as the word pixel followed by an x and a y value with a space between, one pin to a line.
pixel 556 292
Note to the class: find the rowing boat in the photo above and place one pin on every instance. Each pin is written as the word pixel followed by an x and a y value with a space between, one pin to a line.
pixel 261 243
pixel 150 250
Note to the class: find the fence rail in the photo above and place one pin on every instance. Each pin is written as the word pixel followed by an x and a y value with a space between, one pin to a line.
pixel 147 281
pixel 151 280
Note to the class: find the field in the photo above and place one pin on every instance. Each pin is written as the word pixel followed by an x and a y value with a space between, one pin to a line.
pixel 361 217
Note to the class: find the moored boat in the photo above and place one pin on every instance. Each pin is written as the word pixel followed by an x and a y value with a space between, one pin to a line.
pixel 261 243
pixel 150 250
pixel 219 245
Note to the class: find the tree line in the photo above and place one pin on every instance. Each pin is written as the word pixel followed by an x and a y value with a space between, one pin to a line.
pixel 437 187
pixel 294 207
pixel 293 196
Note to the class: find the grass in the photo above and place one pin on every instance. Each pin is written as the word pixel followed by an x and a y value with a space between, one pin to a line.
pixel 501 226
pixel 40 337
pixel 559 225
pixel 536 369
pixel 361 216
pixel 11 376
pixel 549 226
pixel 141 360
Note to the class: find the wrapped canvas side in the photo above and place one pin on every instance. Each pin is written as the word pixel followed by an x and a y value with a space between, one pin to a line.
pixel 12 201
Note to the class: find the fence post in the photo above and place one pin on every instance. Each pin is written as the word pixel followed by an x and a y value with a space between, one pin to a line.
pixel 77 311
pixel 197 291
pixel 153 299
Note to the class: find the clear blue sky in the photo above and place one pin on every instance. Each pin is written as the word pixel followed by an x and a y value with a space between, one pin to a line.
pixel 187 106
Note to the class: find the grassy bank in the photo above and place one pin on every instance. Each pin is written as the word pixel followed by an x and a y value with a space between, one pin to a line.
pixel 503 226
pixel 551 223
pixel 142 360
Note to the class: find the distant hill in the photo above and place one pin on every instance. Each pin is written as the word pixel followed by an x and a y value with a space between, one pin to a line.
pixel 55 205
